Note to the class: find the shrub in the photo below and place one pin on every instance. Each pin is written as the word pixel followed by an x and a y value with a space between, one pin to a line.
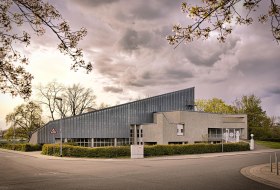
pixel 76 151
pixel 155 150
pixel 160 150
pixel 21 147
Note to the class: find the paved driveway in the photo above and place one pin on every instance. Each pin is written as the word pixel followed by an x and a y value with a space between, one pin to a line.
pixel 19 171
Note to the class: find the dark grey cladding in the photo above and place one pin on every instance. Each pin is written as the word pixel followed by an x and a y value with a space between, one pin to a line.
pixel 114 122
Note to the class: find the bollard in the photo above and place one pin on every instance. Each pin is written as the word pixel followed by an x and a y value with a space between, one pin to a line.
pixel 252 143
pixel 276 162
pixel 270 159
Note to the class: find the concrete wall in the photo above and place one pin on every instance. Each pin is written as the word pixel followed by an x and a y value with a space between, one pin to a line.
pixel 34 138
pixel 196 126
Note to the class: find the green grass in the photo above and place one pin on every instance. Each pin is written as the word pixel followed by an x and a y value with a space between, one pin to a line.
pixel 269 144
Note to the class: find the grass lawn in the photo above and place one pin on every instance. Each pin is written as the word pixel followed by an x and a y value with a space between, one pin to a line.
pixel 269 144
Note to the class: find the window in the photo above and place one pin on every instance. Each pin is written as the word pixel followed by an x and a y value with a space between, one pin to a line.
pixel 180 129
pixel 86 142
pixel 98 142
pixel 139 133
pixel 214 133
pixel 123 142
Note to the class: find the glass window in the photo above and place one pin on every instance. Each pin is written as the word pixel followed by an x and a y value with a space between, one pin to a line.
pixel 86 142
pixel 99 142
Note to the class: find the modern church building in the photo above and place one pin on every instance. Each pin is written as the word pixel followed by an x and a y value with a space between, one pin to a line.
pixel 165 119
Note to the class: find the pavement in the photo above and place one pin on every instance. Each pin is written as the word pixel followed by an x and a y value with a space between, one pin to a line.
pixel 260 173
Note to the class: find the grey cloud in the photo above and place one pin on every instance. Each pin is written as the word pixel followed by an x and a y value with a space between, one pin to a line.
pixel 275 90
pixel 94 3
pixel 112 89
pixel 107 67
pixel 156 9
pixel 130 40
pixel 133 40
pixel 178 73
pixel 162 76
pixel 146 12
pixel 272 90
pixel 208 53
pixel 146 75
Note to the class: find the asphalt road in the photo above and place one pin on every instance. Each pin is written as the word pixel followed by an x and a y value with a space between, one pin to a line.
pixel 26 172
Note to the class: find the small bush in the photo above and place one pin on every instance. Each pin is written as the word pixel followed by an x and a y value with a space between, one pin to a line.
pixel 21 147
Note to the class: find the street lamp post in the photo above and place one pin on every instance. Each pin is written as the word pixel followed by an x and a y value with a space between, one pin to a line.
pixel 60 126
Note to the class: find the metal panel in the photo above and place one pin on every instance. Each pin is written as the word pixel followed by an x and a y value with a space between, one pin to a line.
pixel 114 122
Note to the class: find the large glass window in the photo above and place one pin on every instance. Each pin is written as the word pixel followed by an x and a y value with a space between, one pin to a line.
pixel 123 141
pixel 215 133
pixel 86 142
pixel 98 142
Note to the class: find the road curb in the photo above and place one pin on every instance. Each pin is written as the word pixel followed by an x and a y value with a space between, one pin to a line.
pixel 257 173
pixel 37 154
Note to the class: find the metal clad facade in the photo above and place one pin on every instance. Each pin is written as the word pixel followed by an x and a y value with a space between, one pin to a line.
pixel 114 122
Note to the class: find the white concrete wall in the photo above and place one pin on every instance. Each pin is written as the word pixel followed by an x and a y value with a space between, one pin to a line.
pixel 196 126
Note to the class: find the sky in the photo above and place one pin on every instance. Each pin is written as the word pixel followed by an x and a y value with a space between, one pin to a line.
pixel 126 43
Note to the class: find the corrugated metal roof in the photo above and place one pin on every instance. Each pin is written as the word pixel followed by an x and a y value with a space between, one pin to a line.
pixel 114 122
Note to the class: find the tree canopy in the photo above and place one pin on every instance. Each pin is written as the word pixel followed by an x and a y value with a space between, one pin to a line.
pixel 219 16
pixel 15 17
pixel 25 119
pixel 214 105
pixel 251 105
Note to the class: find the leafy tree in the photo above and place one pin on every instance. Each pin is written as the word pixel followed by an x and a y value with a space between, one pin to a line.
pixel 14 133
pixel 15 16
pixel 251 105
pixel 258 122
pixel 25 118
pixel 218 16
pixel 214 105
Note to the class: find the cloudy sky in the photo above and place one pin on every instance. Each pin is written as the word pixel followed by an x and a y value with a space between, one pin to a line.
pixel 131 57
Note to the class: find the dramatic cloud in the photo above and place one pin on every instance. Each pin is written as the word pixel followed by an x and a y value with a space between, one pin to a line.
pixel 112 89
pixel 94 3
pixel 131 57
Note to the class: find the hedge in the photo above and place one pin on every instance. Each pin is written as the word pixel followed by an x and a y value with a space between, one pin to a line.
pixel 160 150
pixel 77 151
pixel 155 150
pixel 21 147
